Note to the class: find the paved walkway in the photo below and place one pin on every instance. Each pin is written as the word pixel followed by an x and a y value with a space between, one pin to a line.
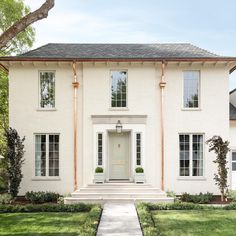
pixel 119 219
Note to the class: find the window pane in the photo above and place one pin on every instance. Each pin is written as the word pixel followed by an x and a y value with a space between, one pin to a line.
pixel 118 88
pixel 191 89
pixel 53 155
pixel 184 155
pixel 233 166
pixel 138 149
pixel 47 89
pixel 40 155
pixel 99 149
pixel 233 156
pixel 197 155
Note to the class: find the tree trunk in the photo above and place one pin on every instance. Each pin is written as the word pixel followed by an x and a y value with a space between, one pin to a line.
pixel 24 22
pixel 222 195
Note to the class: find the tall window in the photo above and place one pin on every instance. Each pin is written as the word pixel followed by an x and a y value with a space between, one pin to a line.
pixel 191 154
pixel 138 149
pixel 47 89
pixel 47 155
pixel 119 89
pixel 233 161
pixel 191 89
pixel 99 149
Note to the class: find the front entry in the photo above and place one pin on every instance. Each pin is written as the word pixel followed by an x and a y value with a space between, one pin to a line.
pixel 119 156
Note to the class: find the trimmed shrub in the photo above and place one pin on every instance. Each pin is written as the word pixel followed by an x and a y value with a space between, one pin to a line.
pixel 99 170
pixel 42 197
pixel 201 198
pixel 139 170
pixel 231 206
pixel 80 207
pixel 5 198
pixel 231 195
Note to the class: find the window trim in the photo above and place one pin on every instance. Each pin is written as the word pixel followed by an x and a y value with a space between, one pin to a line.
pixel 46 177
pixel 191 177
pixel 199 92
pixel 110 84
pixel 39 92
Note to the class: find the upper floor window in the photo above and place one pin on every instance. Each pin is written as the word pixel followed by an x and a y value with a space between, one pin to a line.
pixel 47 89
pixel 119 89
pixel 191 89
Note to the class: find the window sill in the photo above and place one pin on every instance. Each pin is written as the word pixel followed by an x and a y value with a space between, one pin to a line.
pixel 187 178
pixel 118 109
pixel 191 109
pixel 46 179
pixel 46 109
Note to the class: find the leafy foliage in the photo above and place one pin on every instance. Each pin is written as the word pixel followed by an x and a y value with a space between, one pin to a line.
pixel 14 155
pixel 80 207
pixel 10 12
pixel 42 197
pixel 197 198
pixel 99 170
pixel 231 195
pixel 221 149
pixel 139 170
pixel 5 198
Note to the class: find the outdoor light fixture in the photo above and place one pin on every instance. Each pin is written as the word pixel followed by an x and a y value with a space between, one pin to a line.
pixel 118 127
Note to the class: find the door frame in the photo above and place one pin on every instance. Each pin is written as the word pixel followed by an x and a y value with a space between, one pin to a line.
pixel 129 155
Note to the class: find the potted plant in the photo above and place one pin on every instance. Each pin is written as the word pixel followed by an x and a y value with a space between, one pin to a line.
pixel 99 175
pixel 139 176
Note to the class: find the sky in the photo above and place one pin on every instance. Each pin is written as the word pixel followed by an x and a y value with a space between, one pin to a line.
pixel 209 24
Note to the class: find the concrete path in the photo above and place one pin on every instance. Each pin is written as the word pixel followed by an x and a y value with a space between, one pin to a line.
pixel 119 219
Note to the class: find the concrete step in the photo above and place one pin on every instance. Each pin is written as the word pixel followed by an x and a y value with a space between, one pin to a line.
pixel 74 200
pixel 119 185
pixel 118 195
pixel 120 190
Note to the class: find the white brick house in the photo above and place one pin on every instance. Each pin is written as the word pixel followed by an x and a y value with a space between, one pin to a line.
pixel 67 99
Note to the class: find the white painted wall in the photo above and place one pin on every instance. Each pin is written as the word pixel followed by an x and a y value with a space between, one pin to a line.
pixel 94 99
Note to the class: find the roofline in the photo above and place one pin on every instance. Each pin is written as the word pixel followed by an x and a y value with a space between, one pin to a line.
pixel 232 91
pixel 169 59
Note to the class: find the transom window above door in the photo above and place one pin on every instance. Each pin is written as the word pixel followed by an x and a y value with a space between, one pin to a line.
pixel 119 88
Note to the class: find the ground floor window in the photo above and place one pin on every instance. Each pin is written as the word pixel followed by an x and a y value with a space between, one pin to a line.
pixel 191 155
pixel 138 149
pixel 99 149
pixel 47 155
pixel 233 161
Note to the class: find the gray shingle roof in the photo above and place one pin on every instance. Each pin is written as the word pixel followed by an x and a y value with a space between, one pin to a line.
pixel 232 112
pixel 119 51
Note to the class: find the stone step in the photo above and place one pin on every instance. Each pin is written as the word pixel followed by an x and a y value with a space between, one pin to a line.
pixel 120 190
pixel 119 185
pixel 118 195
pixel 74 200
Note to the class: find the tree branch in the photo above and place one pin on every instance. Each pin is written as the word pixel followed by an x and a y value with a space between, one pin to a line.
pixel 24 22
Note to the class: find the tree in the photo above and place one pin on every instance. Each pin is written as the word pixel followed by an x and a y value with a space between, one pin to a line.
pixel 221 148
pixel 14 27
pixel 14 159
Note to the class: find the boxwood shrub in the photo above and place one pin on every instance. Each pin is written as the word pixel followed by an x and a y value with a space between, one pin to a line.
pixel 200 198
pixel 42 197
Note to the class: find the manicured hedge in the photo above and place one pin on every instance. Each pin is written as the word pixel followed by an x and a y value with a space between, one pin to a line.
pixel 80 207
pixel 200 198
pixel 42 197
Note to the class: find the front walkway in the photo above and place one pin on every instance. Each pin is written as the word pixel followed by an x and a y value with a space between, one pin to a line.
pixel 119 219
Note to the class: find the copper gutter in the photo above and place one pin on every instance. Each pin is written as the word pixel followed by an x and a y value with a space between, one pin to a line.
pixel 162 85
pixel 75 84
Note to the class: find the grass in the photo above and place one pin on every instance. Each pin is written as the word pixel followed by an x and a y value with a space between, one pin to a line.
pixel 195 222
pixel 68 224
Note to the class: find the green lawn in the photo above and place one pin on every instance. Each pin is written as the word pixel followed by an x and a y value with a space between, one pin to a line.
pixel 195 222
pixel 67 224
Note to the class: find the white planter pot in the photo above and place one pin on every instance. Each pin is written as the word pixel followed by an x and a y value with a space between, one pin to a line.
pixel 139 178
pixel 99 178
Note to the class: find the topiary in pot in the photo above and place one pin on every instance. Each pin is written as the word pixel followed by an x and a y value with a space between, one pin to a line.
pixel 139 176
pixel 99 175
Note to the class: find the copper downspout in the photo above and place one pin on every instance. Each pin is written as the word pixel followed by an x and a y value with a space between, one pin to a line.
pixel 75 84
pixel 162 85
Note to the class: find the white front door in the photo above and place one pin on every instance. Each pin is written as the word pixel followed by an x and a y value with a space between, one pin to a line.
pixel 234 170
pixel 119 155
